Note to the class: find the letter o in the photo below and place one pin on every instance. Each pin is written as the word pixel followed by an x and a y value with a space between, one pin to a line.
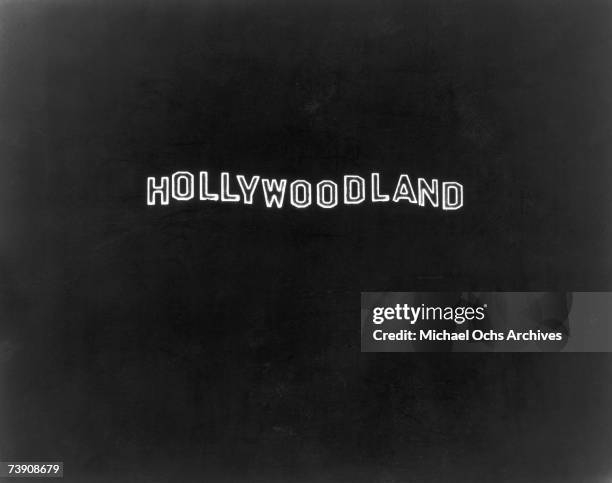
pixel 182 179
pixel 327 194
pixel 301 193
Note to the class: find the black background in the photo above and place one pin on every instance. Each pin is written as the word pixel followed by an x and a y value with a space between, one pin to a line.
pixel 206 342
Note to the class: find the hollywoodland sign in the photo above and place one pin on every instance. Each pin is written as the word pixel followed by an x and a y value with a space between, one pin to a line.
pixel 184 186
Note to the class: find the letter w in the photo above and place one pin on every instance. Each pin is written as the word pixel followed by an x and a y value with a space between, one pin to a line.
pixel 274 192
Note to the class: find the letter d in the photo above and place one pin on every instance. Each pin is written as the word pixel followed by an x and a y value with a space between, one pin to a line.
pixel 354 189
pixel 452 195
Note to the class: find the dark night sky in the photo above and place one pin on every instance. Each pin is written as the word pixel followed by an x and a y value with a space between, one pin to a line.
pixel 222 342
